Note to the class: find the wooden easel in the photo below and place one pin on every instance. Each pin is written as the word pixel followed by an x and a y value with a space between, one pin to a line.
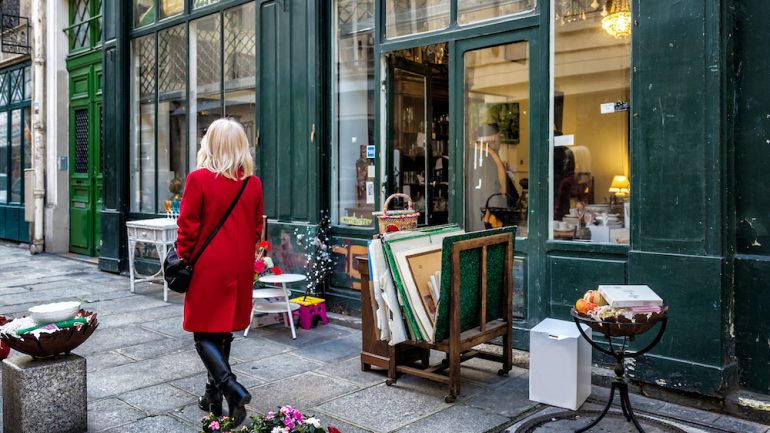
pixel 459 346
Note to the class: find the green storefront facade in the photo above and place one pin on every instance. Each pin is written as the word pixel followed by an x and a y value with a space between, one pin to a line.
pixel 691 121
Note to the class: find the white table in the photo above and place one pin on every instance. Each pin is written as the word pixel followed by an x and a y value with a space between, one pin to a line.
pixel 261 306
pixel 160 232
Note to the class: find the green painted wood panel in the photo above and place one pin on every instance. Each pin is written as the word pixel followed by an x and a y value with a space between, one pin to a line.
pixel 752 329
pixel 287 113
pixel 698 330
pixel 571 275
pixel 676 127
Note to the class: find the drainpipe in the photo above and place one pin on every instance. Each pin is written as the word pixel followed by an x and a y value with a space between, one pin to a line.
pixel 38 123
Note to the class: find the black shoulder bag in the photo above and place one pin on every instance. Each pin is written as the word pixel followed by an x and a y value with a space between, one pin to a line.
pixel 176 272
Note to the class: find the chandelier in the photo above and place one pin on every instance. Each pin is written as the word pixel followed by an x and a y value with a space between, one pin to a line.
pixel 570 11
pixel 618 22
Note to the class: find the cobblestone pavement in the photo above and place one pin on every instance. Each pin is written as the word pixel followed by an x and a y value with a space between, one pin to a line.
pixel 144 374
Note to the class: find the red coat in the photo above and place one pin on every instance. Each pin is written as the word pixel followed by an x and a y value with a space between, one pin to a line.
pixel 219 296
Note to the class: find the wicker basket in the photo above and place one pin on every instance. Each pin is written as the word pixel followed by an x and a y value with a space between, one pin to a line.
pixel 397 220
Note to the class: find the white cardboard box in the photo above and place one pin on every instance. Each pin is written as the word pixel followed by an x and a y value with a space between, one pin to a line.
pixel 559 364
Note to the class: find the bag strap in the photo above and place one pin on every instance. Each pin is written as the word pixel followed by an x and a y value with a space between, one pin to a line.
pixel 221 222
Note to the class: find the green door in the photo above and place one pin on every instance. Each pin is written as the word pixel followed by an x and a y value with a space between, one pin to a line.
pixel 85 158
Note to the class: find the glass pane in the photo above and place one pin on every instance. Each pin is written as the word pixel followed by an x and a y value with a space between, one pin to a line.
pixel 27 131
pixel 143 130
pixel 144 12
pixel 203 3
pixel 4 89
pixel 240 68
pixel 4 157
pixel 27 83
pixel 419 115
pixel 16 160
pixel 470 11
pixel 17 85
pixel 172 115
pixel 81 12
pixel 353 87
pixel 497 136
pixel 205 79
pixel 590 146
pixel 406 17
pixel 169 8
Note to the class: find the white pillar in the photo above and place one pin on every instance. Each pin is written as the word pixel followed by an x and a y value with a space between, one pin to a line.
pixel 38 122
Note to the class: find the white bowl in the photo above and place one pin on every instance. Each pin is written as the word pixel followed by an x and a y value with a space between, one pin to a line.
pixel 56 312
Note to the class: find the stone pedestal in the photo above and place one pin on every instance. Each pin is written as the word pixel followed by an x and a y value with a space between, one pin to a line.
pixel 45 396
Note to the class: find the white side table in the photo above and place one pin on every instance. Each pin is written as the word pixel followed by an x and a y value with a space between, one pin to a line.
pixel 262 306
pixel 160 232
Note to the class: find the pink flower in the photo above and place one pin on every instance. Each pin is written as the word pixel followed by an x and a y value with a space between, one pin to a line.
pixel 297 416
pixel 259 266
pixel 270 415
pixel 214 425
pixel 289 423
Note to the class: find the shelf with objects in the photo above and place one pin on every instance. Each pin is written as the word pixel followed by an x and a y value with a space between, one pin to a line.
pixel 419 132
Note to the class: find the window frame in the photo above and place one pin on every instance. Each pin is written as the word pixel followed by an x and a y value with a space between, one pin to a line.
pixel 189 15
pixel 7 110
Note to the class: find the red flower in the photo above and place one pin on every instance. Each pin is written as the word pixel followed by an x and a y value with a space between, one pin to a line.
pixel 333 429
pixel 259 266
pixel 265 245
pixel 275 270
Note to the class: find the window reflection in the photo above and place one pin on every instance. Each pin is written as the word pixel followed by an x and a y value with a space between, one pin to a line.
pixel 470 11
pixel 240 68
pixel 590 147
pixel 497 137
pixel 143 131
pixel 406 17
pixel 353 171
pixel 205 79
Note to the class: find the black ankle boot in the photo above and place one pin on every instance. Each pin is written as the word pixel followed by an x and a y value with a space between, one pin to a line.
pixel 211 400
pixel 237 397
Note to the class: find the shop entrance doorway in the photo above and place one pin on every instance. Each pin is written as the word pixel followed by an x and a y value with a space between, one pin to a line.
pixel 418 133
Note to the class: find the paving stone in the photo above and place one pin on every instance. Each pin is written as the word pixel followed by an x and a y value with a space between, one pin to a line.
pixel 386 408
pixel 485 371
pixel 457 419
pixel 194 384
pixel 739 426
pixel 100 361
pixel 687 413
pixel 103 340
pixel 327 420
pixel 350 370
pixel 157 424
pixel 305 338
pixel 158 399
pixel 510 399
pixel 277 367
pixel 110 412
pixel 141 374
pixel 303 391
pixel 253 348
pixel 145 315
pixel 137 303
pixel 335 350
pixel 157 348
pixel 171 326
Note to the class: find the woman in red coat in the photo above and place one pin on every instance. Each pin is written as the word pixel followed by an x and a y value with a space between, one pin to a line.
pixel 218 300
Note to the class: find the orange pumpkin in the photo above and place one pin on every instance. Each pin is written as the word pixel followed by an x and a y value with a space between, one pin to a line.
pixel 584 306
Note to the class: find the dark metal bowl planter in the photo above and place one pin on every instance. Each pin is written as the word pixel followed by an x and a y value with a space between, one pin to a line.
pixel 56 343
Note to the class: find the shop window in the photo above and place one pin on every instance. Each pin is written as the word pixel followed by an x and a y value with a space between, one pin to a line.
pixel 172 115
pixel 177 92
pixel 471 11
pixel 408 17
pixel 16 158
pixel 590 105
pixel 353 169
pixel 143 131
pixel 496 97
pixel 240 68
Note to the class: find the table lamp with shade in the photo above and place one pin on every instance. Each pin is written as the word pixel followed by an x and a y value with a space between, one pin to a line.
pixel 619 187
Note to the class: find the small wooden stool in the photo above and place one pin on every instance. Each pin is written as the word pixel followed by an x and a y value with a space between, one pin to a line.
pixel 310 307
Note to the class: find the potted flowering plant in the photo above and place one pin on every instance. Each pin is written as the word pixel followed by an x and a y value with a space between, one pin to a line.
pixel 263 265
pixel 285 420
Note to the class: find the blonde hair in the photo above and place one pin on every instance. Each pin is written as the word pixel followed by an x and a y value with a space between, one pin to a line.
pixel 225 150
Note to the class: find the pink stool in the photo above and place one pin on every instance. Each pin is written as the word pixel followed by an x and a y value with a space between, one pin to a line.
pixel 310 307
